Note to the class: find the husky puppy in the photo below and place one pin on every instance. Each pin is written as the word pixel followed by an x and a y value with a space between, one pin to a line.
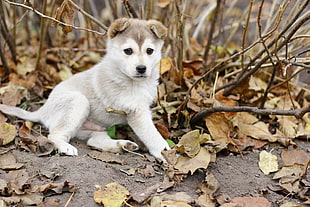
pixel 125 80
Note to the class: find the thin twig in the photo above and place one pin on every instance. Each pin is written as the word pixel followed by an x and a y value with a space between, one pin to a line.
pixel 69 200
pixel 105 28
pixel 53 19
pixel 210 35
pixel 299 113
pixel 233 84
pixel 129 9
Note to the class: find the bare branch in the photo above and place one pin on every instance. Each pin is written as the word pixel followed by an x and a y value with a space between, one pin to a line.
pixel 299 113
pixel 53 19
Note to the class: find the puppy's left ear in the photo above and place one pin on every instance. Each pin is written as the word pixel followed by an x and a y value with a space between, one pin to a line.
pixel 158 29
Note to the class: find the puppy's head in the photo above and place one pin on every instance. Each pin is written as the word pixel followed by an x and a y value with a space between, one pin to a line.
pixel 136 46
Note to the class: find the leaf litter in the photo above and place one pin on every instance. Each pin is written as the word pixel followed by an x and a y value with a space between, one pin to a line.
pixel 194 152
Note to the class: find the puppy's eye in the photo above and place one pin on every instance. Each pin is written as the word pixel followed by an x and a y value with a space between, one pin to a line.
pixel 128 51
pixel 149 51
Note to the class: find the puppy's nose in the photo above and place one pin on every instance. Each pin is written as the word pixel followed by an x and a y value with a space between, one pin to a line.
pixel 141 69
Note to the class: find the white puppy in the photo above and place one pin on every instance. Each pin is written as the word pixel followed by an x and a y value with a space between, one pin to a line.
pixel 125 80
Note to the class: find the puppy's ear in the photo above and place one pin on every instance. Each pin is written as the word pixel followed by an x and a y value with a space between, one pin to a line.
pixel 118 26
pixel 158 29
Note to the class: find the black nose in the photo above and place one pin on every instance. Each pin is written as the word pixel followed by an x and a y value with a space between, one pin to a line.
pixel 141 69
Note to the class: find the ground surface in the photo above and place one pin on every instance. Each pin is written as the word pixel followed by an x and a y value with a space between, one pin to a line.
pixel 238 176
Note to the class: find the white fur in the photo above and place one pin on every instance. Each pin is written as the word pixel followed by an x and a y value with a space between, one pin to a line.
pixel 115 83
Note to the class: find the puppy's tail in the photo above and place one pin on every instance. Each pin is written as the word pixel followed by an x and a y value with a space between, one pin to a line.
pixel 23 114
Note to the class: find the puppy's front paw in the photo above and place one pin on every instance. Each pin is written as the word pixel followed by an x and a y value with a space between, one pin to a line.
pixel 67 149
pixel 131 146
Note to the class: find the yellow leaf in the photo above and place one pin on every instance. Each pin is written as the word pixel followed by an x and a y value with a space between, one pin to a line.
pixel 187 164
pixel 268 162
pixel 7 133
pixel 308 127
pixel 113 195
pixel 165 65
pixel 65 73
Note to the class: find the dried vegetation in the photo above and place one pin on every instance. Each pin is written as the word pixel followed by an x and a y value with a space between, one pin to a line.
pixel 236 70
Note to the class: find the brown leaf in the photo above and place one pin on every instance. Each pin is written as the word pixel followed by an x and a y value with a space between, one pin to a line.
pixel 251 202
pixel 49 203
pixel 219 127
pixel 17 180
pixel 11 94
pixel 106 157
pixel 201 160
pixel 147 172
pixel 291 157
pixel 57 188
pixel 8 161
pixel 164 131
pixel 248 125
pixel 65 13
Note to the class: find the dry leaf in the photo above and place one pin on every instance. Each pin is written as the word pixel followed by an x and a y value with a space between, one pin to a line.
pixel 268 162
pixel 288 126
pixel 11 94
pixel 113 195
pixel 65 13
pixel 251 202
pixel 219 127
pixel 165 65
pixel 7 133
pixel 57 188
pixel 49 203
pixel 201 160
pixel 8 162
pixel 248 125
pixel 106 157
pixel 290 204
pixel 291 157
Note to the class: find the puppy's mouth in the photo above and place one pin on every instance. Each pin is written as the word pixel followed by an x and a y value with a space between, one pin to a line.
pixel 140 76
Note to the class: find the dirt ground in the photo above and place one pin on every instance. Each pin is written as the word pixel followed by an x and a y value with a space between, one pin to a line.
pixel 238 175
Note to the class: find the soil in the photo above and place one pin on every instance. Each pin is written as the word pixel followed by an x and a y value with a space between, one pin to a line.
pixel 238 175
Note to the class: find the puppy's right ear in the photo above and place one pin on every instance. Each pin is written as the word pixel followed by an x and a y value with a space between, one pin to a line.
pixel 118 26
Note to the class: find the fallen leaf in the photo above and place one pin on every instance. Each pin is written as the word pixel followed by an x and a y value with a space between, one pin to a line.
pixel 251 202
pixel 11 94
pixel 210 185
pixel 25 65
pixel 291 157
pixel 205 200
pixel 290 204
pixel 113 195
pixel 106 157
pixel 147 172
pixel 248 125
pixel 57 188
pixel 8 161
pixel 17 181
pixel 187 164
pixel 49 203
pixel 40 145
pixel 288 125
pixel 8 133
pixel 268 162
pixel 219 127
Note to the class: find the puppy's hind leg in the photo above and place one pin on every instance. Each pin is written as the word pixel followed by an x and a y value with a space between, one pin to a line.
pixel 67 117
pixel 102 141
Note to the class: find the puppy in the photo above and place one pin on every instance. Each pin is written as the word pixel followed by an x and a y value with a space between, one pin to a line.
pixel 125 80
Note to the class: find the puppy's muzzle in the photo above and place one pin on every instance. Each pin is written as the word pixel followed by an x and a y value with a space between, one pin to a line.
pixel 141 69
